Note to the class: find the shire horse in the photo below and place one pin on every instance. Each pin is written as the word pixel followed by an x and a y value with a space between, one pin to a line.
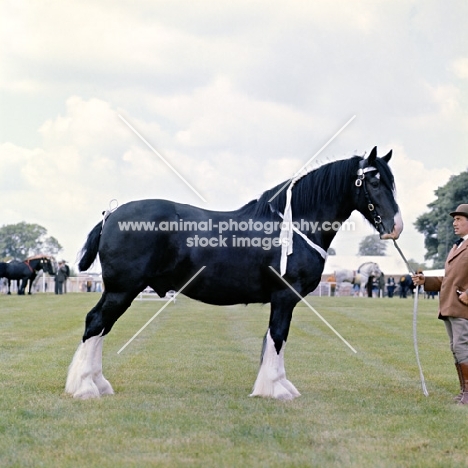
pixel 358 277
pixel 26 271
pixel 235 272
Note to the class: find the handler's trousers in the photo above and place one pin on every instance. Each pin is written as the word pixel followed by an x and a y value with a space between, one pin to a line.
pixel 457 330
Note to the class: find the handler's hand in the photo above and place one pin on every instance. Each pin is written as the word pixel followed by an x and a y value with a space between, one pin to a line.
pixel 418 279
pixel 463 297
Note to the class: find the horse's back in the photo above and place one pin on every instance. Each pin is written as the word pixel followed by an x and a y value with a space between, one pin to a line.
pixel 15 270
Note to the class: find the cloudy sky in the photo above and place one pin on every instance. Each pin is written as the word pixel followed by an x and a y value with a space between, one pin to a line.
pixel 237 96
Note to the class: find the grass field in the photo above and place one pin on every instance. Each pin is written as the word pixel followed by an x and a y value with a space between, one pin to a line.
pixel 182 388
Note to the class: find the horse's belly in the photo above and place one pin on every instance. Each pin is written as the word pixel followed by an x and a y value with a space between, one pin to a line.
pixel 228 299
pixel 227 291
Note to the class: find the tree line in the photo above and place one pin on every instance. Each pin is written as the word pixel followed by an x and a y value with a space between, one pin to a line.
pixel 22 240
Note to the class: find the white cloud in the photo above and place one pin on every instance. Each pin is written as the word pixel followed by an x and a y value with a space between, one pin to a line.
pixel 460 67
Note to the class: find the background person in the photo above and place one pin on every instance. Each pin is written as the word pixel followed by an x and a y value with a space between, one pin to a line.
pixel 453 304
pixel 391 286
pixel 60 277
pixel 66 269
pixel 369 286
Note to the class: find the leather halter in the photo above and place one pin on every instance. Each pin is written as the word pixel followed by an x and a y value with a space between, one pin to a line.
pixel 361 182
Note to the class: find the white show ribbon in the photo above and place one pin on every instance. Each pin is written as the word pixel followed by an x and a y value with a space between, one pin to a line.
pixel 287 229
pixel 287 233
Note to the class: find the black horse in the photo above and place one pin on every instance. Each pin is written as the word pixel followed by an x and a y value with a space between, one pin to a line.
pixel 164 244
pixel 26 271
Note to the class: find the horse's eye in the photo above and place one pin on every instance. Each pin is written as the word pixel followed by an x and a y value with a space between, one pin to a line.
pixel 375 182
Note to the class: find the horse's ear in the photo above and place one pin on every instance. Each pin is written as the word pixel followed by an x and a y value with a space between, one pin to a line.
pixel 388 156
pixel 372 156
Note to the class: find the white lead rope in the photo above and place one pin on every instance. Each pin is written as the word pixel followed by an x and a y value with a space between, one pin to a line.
pixel 415 322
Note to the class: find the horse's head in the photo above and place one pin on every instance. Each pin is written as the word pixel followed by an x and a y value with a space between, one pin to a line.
pixel 48 266
pixel 44 263
pixel 375 270
pixel 375 195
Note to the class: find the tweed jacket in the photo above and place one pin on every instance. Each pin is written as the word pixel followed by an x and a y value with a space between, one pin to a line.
pixel 456 277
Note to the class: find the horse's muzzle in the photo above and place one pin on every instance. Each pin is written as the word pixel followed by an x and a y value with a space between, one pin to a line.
pixel 397 228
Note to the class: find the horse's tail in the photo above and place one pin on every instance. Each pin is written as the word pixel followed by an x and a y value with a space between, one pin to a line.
pixel 90 249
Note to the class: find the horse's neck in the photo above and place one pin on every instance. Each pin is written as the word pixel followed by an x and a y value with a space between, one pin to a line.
pixel 327 218
pixel 323 227
pixel 34 264
pixel 364 269
pixel 367 268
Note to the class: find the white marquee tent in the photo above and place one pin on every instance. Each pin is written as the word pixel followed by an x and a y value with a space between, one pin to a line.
pixel 393 266
pixel 390 265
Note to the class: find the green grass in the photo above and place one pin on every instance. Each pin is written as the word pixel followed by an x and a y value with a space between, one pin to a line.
pixel 182 388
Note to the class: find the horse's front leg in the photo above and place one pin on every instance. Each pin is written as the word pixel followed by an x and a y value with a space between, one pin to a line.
pixel 31 281
pixel 271 380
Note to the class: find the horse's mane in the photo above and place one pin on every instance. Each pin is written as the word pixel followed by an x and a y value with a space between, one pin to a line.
pixel 367 263
pixel 314 188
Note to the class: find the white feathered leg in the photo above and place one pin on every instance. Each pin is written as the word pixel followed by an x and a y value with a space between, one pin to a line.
pixel 85 379
pixel 271 380
pixel 103 385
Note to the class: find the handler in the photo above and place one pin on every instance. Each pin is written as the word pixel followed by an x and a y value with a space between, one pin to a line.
pixel 453 305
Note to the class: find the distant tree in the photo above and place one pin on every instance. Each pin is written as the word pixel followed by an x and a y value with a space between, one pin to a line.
pixel 372 245
pixel 416 266
pixel 22 240
pixel 51 246
pixel 436 225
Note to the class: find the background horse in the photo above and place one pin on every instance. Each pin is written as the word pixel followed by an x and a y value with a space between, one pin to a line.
pixel 358 277
pixel 26 271
pixel 346 276
pixel 238 265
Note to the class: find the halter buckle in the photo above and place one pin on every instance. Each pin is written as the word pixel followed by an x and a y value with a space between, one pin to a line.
pixel 377 220
pixel 358 182
pixel 371 207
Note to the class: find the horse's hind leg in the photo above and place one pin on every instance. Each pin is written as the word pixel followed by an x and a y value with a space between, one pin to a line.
pixel 85 379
